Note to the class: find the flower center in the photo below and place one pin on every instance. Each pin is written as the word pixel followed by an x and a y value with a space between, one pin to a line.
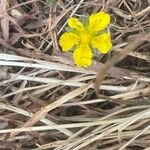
pixel 85 37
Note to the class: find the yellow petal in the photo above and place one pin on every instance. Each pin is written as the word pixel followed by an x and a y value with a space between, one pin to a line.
pixel 102 43
pixel 75 24
pixel 83 56
pixel 98 21
pixel 68 40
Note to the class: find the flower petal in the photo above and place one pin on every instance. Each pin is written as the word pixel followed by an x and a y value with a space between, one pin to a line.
pixel 102 43
pixel 75 24
pixel 83 56
pixel 98 21
pixel 68 40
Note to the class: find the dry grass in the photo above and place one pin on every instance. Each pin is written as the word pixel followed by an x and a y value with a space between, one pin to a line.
pixel 46 102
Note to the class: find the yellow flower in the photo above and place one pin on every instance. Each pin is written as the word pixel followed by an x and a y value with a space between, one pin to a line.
pixel 84 37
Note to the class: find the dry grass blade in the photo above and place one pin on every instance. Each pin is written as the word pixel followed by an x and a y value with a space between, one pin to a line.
pixel 118 57
pixel 5 19
pixel 29 114
pixel 130 141
pixel 43 112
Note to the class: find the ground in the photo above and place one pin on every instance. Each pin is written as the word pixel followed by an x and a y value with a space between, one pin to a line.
pixel 47 102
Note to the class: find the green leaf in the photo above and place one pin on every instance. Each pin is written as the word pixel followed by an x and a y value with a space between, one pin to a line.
pixel 51 2
pixel 68 29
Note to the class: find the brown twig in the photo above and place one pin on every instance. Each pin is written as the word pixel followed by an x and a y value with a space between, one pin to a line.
pixel 102 72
